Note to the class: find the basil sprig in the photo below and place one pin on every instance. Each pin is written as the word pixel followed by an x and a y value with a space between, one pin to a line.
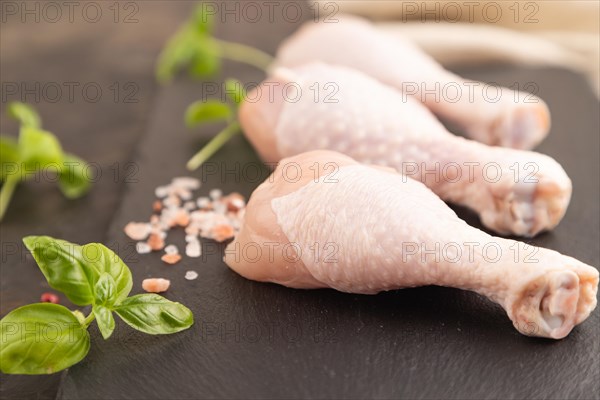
pixel 37 150
pixel 45 338
pixel 193 47
pixel 200 112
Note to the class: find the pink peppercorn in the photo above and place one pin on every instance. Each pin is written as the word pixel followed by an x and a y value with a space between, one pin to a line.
pixel 49 298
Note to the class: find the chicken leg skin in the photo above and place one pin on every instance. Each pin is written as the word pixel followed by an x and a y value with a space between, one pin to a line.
pixel 495 116
pixel 377 231
pixel 513 191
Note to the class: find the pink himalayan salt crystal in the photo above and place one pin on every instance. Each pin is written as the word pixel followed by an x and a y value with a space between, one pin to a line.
pixel 222 232
pixel 138 230
pixel 156 285
pixel 186 182
pixel 156 242
pixel 171 258
pixel 182 218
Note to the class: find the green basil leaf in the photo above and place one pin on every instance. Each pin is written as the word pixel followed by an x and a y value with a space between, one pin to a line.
pixel 9 157
pixel 103 259
pixel 235 90
pixel 75 270
pixel 153 314
pixel 190 46
pixel 73 180
pixel 202 23
pixel 211 110
pixel 41 339
pixel 39 149
pixel 105 320
pixel 25 114
pixel 64 266
pixel 179 52
pixel 105 290
pixel 79 315
pixel 206 60
pixel 9 149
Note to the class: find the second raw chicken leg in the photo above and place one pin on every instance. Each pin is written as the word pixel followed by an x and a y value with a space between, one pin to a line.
pixel 320 106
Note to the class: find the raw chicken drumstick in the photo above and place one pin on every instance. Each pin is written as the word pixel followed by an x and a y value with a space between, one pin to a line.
pixel 505 117
pixel 513 191
pixel 324 220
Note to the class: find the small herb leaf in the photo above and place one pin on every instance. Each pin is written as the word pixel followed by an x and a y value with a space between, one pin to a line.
pixel 105 290
pixel 105 320
pixel 202 22
pixel 41 338
pixel 193 46
pixel 75 270
pixel 39 149
pixel 178 52
pixel 9 157
pixel 65 267
pixel 103 259
pixel 35 150
pixel 208 111
pixel 206 61
pixel 79 315
pixel 73 181
pixel 235 90
pixel 190 46
pixel 153 314
pixel 25 114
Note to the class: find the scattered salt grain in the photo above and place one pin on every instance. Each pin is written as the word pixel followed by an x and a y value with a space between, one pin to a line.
pixel 171 258
pixel 137 230
pixel 162 191
pixel 182 217
pixel 222 232
pixel 172 201
pixel 235 204
pixel 157 206
pixel 220 208
pixel 215 216
pixel 215 194
pixel 236 223
pixel 191 275
pixel 142 248
pixel 159 232
pixel 186 182
pixel 156 242
pixel 240 214
pixel 184 194
pixel 199 216
pixel 171 249
pixel 203 202
pixel 192 230
pixel 193 249
pixel 156 285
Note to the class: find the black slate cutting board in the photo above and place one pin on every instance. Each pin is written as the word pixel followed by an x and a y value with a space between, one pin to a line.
pixel 257 340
